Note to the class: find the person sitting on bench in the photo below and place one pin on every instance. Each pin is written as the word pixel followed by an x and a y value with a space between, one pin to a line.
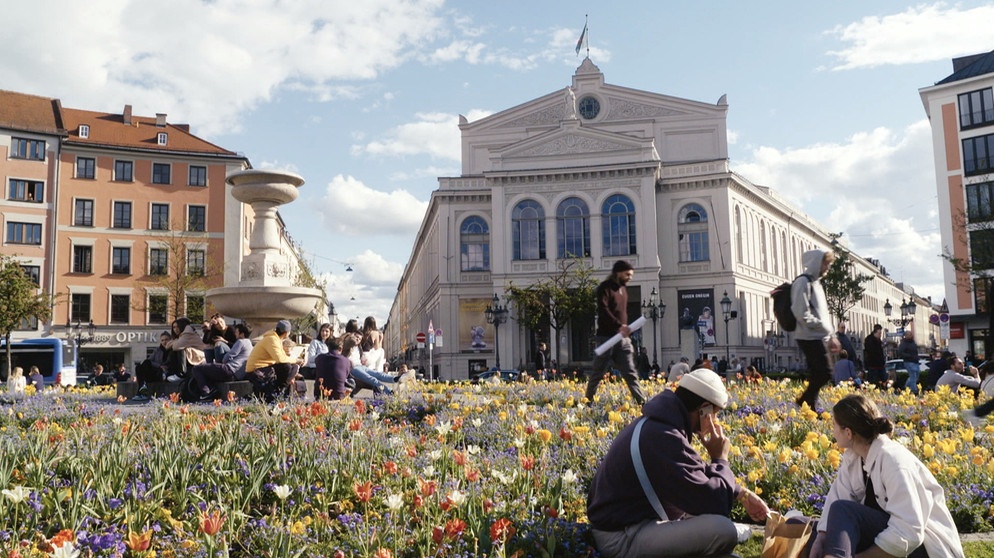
pixel 231 368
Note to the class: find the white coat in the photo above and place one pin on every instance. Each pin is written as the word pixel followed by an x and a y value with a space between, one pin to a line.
pixel 907 491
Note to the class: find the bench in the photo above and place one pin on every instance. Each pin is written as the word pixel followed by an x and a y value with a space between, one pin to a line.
pixel 128 390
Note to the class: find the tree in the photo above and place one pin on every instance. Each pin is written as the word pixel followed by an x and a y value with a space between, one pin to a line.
pixel 843 286
pixel 304 277
pixel 180 263
pixel 19 301
pixel 557 299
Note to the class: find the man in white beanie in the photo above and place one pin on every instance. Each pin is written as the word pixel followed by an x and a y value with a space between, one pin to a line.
pixel 682 504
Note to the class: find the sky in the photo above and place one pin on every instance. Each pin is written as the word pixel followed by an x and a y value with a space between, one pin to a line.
pixel 362 99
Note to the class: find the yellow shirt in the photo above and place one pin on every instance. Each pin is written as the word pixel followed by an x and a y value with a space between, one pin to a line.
pixel 267 352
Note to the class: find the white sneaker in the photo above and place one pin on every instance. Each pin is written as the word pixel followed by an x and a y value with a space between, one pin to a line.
pixel 173 378
pixel 970 416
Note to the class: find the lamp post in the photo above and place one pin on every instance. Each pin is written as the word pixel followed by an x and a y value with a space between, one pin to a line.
pixel 728 314
pixel 654 310
pixel 74 333
pixel 333 319
pixel 496 314
pixel 908 309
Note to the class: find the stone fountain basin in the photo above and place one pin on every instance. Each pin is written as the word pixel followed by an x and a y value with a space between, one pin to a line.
pixel 255 185
pixel 254 304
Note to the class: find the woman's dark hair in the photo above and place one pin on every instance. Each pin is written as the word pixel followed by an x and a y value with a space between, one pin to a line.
pixel 352 326
pixel 860 415
pixel 333 344
pixel 369 324
pixel 182 323
pixel 246 330
pixel 690 399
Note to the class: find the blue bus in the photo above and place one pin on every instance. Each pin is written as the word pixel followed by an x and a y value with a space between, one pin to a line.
pixel 48 354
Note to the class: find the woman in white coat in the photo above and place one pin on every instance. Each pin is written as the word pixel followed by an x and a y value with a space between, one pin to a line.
pixel 884 501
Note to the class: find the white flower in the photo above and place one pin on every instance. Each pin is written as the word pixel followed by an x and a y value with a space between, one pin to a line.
pixel 435 454
pixel 374 416
pixel 473 449
pixel 505 479
pixel 444 428
pixel 18 494
pixel 519 443
pixel 569 476
pixel 533 424
pixel 282 491
pixel 570 418
pixel 117 421
pixel 67 550
pixel 394 502
pixel 477 388
pixel 428 471
pixel 457 498
pixel 523 408
pixel 477 422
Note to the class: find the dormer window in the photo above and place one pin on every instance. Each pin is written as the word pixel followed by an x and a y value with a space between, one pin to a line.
pixel 84 131
pixel 163 137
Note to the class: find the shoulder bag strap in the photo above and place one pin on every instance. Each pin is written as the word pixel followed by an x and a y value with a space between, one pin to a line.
pixel 650 494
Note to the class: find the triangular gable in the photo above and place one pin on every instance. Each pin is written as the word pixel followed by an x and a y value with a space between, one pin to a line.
pixel 573 145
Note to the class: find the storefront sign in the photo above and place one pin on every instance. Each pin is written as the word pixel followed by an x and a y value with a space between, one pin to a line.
pixel 957 330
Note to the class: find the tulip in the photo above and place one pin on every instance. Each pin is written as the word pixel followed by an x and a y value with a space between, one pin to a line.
pixel 211 523
pixel 138 543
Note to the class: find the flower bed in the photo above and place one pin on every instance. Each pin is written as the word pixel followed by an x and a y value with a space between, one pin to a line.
pixel 442 470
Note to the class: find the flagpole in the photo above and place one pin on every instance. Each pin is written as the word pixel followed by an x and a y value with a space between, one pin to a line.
pixel 586 22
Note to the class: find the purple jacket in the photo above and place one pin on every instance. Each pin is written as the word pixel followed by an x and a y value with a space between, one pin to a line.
pixel 331 370
pixel 684 483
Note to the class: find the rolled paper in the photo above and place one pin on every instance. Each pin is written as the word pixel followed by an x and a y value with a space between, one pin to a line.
pixel 606 346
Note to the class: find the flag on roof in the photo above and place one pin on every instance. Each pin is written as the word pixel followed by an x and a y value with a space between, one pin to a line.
pixel 583 35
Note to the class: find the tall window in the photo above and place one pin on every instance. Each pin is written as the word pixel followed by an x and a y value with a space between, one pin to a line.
pixel 195 307
pixel 26 190
pixel 82 259
pixel 23 233
pixel 158 309
pixel 124 171
pixel 120 309
pixel 121 260
pixel 692 230
pixel 474 244
pixel 528 231
pixel 981 286
pixel 158 261
pixel 83 216
pixel 978 155
pixel 982 249
pixel 21 148
pixel 619 226
pixel 122 215
pixel 195 261
pixel 80 308
pixel 160 217
pixel 33 272
pixel 198 176
pixel 976 108
pixel 160 173
pixel 196 218
pixel 980 201
pixel 86 167
pixel 573 228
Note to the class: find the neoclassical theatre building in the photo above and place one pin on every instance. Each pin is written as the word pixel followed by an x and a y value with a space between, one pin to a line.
pixel 605 172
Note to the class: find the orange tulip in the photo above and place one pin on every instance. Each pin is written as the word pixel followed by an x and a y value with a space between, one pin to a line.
pixel 211 523
pixel 363 491
pixel 138 542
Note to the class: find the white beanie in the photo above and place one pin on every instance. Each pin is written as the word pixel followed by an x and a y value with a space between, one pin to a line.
pixel 707 385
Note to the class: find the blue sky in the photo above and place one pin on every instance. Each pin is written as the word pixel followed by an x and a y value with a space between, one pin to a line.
pixel 362 99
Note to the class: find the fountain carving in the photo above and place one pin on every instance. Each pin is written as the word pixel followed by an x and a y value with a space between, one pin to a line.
pixel 264 293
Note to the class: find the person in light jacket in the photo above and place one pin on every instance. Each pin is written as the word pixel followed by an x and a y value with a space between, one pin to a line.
pixel 884 501
pixel 815 332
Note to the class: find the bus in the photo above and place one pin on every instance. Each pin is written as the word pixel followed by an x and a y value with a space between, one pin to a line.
pixel 48 354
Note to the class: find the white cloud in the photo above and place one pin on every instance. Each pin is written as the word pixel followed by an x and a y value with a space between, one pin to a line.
pixel 922 33
pixel 435 134
pixel 352 208
pixel 367 290
pixel 180 57
pixel 878 187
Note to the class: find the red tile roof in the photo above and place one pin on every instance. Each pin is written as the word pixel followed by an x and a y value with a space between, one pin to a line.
pixel 30 113
pixel 110 130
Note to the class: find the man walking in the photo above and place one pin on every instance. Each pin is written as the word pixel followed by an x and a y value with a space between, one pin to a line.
pixel 612 318
pixel 908 351
pixel 873 357
pixel 814 331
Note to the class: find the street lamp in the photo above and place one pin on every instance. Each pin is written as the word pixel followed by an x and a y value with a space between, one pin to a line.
pixel 908 310
pixel 728 314
pixel 74 333
pixel 496 314
pixel 654 310
pixel 333 319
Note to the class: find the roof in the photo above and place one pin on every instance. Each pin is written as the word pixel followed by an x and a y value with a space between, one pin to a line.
pixel 110 130
pixel 982 64
pixel 20 111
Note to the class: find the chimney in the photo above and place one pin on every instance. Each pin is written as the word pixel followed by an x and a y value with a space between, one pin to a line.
pixel 127 115
pixel 160 119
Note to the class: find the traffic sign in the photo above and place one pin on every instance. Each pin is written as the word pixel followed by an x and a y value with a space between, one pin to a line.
pixel 421 337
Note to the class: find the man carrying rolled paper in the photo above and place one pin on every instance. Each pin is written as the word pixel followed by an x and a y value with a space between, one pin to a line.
pixel 612 318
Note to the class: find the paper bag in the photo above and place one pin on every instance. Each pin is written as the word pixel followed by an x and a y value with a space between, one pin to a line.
pixel 785 540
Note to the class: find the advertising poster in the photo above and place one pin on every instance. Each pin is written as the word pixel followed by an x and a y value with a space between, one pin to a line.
pixel 697 313
pixel 475 334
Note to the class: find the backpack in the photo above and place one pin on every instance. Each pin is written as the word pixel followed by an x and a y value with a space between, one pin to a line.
pixel 782 302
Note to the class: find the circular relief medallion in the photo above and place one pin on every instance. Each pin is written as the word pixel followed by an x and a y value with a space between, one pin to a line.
pixel 589 108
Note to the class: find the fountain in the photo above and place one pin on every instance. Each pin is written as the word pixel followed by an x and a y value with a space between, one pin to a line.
pixel 264 293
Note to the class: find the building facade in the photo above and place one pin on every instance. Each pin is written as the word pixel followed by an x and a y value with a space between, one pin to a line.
pixel 601 172
pixel 124 217
pixel 960 109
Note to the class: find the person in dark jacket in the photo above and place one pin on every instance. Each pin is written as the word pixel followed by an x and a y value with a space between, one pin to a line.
pixel 908 351
pixel 873 357
pixel 540 362
pixel 695 495
pixel 845 342
pixel 331 372
pixel 936 369
pixel 612 318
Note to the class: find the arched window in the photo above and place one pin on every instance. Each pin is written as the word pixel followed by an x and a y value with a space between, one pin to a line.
pixel 528 231
pixel 619 226
pixel 474 244
pixel 573 228
pixel 692 230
